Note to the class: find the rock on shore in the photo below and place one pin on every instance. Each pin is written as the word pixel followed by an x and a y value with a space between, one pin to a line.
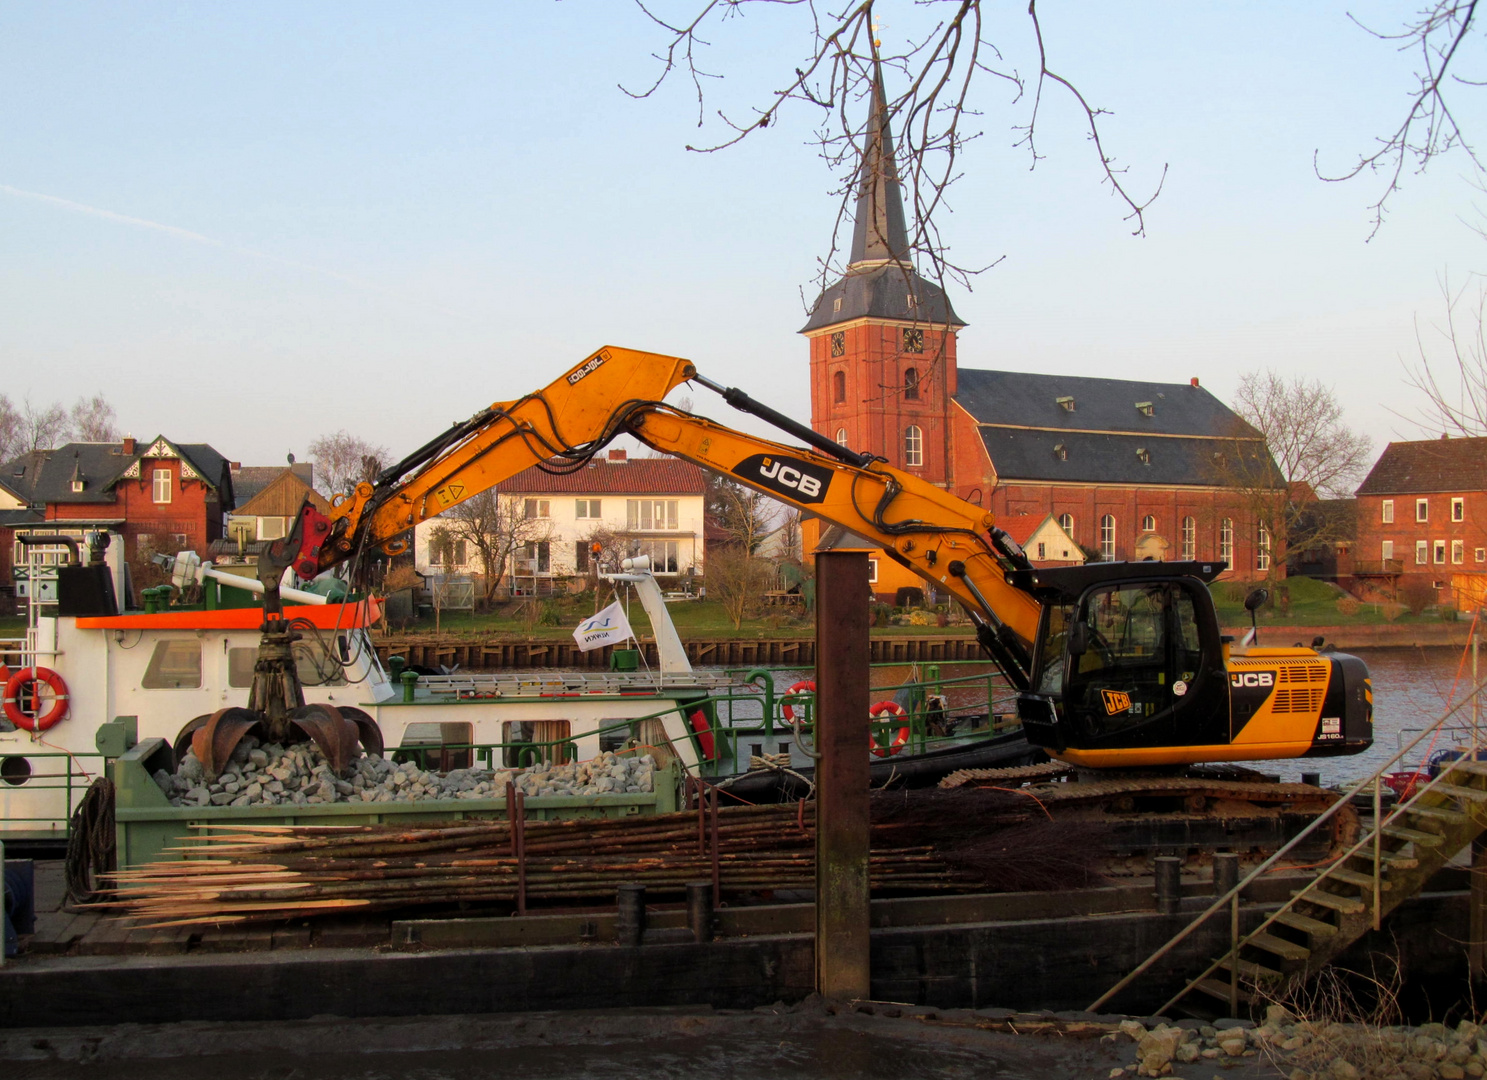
pixel 273 775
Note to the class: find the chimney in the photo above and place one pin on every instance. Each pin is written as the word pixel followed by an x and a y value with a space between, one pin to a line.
pixel 618 455
pixel 1195 380
pixel 235 466
pixel 128 445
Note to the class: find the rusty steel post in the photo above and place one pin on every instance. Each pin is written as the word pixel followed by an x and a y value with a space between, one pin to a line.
pixel 841 736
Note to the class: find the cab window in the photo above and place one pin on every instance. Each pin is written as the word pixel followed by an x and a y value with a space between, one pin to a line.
pixel 1051 655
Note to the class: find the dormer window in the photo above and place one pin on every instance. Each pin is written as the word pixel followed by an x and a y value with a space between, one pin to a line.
pixel 1061 451
pixel 836 305
pixel 1066 403
pixel 78 485
pixel 1143 455
pixel 1145 408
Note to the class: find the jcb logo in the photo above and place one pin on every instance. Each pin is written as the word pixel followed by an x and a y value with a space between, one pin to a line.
pixel 797 480
pixel 588 367
pixel 1251 678
pixel 1116 701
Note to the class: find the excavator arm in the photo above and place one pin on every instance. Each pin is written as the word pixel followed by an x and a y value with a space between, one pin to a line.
pixel 946 540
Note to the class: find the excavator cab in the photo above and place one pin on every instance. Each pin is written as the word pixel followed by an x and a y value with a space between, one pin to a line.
pixel 1130 669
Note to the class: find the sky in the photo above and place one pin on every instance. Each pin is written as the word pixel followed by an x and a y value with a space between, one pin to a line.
pixel 251 225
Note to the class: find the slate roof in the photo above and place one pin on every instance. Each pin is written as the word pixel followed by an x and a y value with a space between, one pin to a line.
pixel 1103 458
pixel 637 476
pixel 1028 399
pixel 45 476
pixel 1407 468
pixel 882 292
pixel 249 480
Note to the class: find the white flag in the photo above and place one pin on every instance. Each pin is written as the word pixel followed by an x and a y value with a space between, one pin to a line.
pixel 607 627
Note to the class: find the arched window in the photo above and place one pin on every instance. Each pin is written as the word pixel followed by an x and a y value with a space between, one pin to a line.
pixel 1148 524
pixel 911 384
pixel 1226 541
pixel 1262 549
pixel 1107 537
pixel 838 386
pixel 1189 538
pixel 841 437
pixel 1066 522
pixel 913 445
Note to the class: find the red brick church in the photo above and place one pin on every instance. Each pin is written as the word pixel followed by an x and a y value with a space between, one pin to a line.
pixel 1130 468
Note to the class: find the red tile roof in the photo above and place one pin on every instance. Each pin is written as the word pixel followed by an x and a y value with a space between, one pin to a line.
pixel 1406 468
pixel 637 476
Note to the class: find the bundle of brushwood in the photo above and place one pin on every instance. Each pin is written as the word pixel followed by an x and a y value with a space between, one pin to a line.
pixel 247 873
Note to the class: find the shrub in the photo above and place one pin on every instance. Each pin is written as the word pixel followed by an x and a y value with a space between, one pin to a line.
pixel 1416 593
pixel 1393 610
pixel 1347 607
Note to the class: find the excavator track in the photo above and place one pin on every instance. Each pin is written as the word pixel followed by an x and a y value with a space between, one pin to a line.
pixel 1175 813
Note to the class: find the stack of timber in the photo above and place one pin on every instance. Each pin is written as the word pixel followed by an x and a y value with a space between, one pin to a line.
pixel 247 873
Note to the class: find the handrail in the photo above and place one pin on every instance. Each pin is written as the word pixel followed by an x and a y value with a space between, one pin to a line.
pixel 1233 893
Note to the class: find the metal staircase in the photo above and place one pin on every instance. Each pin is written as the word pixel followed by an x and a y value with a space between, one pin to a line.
pixel 1391 862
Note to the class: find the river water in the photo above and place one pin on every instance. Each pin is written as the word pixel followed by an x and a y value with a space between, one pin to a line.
pixel 1412 688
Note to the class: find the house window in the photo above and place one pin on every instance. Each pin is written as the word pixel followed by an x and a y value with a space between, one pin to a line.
pixel 1386 550
pixel 581 557
pixel 1226 541
pixel 537 557
pixel 913 445
pixel 1422 509
pixel 913 339
pixel 161 478
pixel 911 384
pixel 1066 522
pixel 1440 552
pixel 586 508
pixel 1107 537
pixel 1148 524
pixel 1042 550
pixel 838 387
pixel 1422 552
pixel 663 555
pixel 538 508
pixel 1386 510
pixel 838 339
pixel 1458 551
pixel 649 515
pixel 841 436
pixel 1458 509
pixel 270 528
pixel 178 541
pixel 174 665
pixel 1189 538
pixel 872 571
pixel 1481 555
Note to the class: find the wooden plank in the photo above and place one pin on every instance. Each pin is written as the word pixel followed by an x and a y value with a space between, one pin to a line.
pixel 1306 923
pixel 1414 836
pixel 1286 950
pixel 1345 905
pixel 1352 877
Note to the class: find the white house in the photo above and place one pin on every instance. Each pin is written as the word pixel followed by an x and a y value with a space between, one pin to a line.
pixel 640 506
pixel 1046 542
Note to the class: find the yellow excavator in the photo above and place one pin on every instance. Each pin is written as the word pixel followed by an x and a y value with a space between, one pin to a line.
pixel 1117 665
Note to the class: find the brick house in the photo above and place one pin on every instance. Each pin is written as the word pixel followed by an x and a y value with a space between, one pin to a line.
pixel 1422 514
pixel 1131 469
pixel 648 506
pixel 163 495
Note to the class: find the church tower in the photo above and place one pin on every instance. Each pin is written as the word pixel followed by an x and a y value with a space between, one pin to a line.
pixel 882 338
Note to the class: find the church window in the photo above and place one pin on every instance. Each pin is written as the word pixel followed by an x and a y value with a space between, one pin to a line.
pixel 841 437
pixel 1148 524
pixel 913 445
pixel 1262 548
pixel 911 384
pixel 1107 537
pixel 1226 541
pixel 913 339
pixel 838 386
pixel 839 343
pixel 1189 538
pixel 1066 522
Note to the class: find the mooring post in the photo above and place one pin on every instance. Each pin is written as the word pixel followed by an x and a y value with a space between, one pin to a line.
pixel 1168 883
pixel 700 910
pixel 629 920
pixel 1225 871
pixel 841 736
pixel 1476 949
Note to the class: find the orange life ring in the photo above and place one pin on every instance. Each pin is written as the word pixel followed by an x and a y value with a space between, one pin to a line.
pixel 805 686
pixel 27 678
pixel 894 710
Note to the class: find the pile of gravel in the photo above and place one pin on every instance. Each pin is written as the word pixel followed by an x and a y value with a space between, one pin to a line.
pixel 272 775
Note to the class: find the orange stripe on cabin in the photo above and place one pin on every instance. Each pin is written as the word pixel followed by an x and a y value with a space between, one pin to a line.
pixel 324 616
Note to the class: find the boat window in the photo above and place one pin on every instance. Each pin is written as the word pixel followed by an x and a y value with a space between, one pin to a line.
pixel 176 665
pixel 535 742
pixel 438 746
pixel 317 666
pixel 240 666
pixel 614 733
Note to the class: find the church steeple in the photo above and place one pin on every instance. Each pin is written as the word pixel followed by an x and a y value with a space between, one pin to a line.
pixel 879 235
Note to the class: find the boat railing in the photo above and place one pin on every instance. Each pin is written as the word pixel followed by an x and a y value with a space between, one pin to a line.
pixel 60 774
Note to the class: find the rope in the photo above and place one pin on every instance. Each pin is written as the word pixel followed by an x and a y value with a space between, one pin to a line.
pixel 91 850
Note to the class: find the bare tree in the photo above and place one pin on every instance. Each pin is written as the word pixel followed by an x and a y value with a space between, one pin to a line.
pixel 1436 32
pixel 11 428
pixel 43 428
pixel 93 420
pixel 738 581
pixel 493 529
pixel 743 513
pixel 1289 464
pixel 941 71
pixel 343 460
pixel 1455 388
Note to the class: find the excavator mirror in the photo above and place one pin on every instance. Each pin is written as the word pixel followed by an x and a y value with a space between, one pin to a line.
pixel 1255 599
pixel 1079 638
